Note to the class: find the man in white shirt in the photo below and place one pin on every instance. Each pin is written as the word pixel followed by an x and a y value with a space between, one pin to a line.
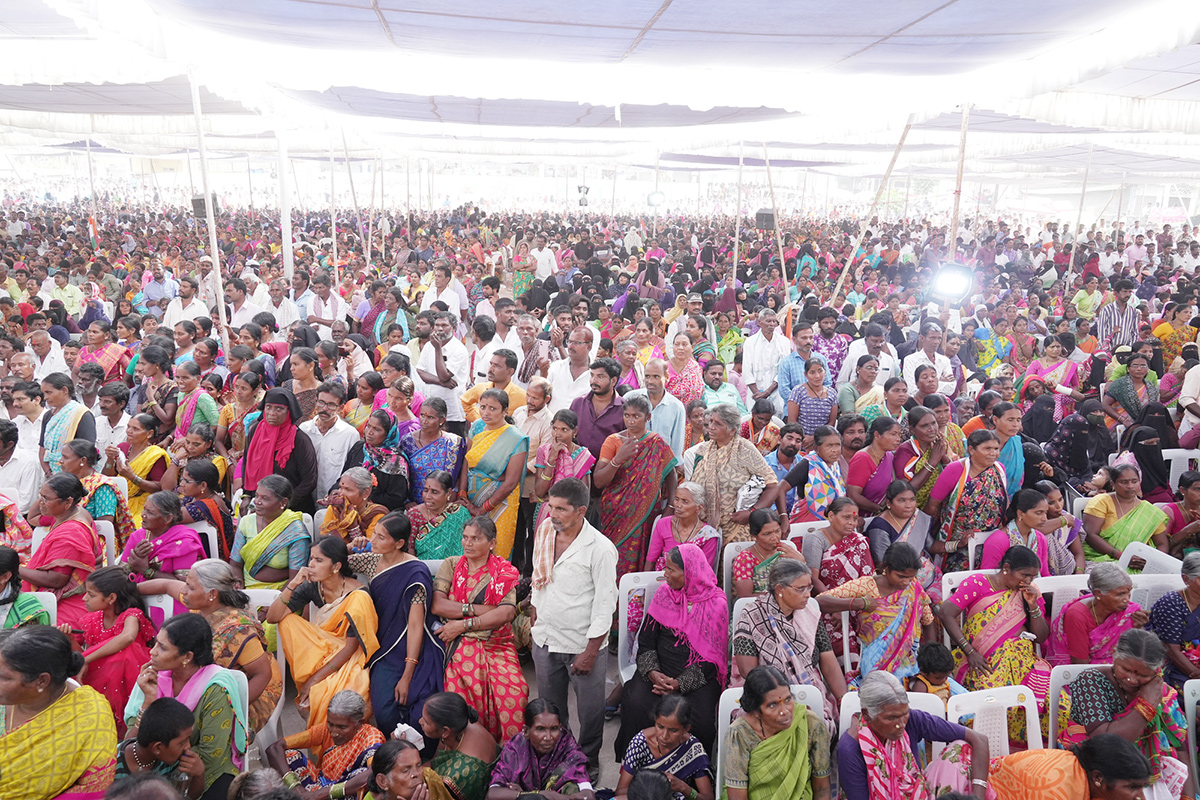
pixel 761 355
pixel 21 473
pixel 573 600
pixel 547 262
pixel 27 400
pixel 238 303
pixel 572 376
pixel 260 293
pixel 533 419
pixel 444 368
pixel 302 293
pixel 1109 259
pixel 1190 261
pixel 873 343
pixel 332 436
pixel 443 290
pixel 112 421
pixel 283 309
pixel 483 334
pixel 47 356
pixel 928 342
pixel 326 306
pixel 1189 400
pixel 187 305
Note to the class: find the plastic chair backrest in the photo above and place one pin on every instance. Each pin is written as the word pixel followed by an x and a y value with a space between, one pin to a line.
pixel 1157 562
pixel 1078 505
pixel 801 529
pixel 319 519
pixel 308 523
pixel 108 533
pixel 632 582
pixel 738 607
pixel 1178 459
pixel 122 487
pixel 975 543
pixel 263 598
pixel 921 701
pixel 434 564
pixel 990 708
pixel 727 556
pixel 1060 677
pixel 209 534
pixel 952 580
pixel 1062 589
pixel 50 603
pixel 810 696
pixel 1191 694
pixel 163 602
pixel 1149 589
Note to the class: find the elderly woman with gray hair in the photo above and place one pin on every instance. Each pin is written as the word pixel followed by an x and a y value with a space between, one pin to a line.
pixel 877 755
pixel 342 748
pixel 1176 620
pixel 1130 698
pixel 351 514
pixel 782 628
pixel 685 525
pixel 1087 629
pixel 728 464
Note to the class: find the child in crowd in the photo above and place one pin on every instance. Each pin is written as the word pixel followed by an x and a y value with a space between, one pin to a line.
pixel 163 747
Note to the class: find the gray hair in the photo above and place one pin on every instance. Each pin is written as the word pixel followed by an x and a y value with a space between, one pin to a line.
pixel 627 343
pixel 784 571
pixel 348 703
pixel 1191 564
pixel 728 414
pixel 530 318
pixel 215 575
pixel 1141 645
pixel 1106 577
pixel 766 312
pixel 249 785
pixel 696 491
pixel 360 477
pixel 880 689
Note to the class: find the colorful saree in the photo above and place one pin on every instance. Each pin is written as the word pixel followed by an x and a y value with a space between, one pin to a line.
pixel 347 524
pixel 487 463
pixel 629 500
pixel 729 344
pixel 141 464
pixel 210 511
pixel 890 635
pixel 59 430
pixel 1038 775
pixel 239 640
pixel 446 453
pixel 109 357
pixel 1138 525
pixel 577 464
pixel 25 610
pixel 263 547
pixel 1175 622
pixel 780 767
pixel 991 349
pixel 825 484
pixel 1130 398
pixel 911 459
pixel 973 505
pixel 845 560
pixel 1173 340
pixel 1102 640
pixel 482 666
pixel 561 770
pixel 123 518
pixel 686 385
pixel 15 531
pixel 892 771
pixel 74 549
pixel 465 776
pixel 68 751
pixel 440 535
pixel 687 762
pixel 338 763
pixel 993 621
pixel 1065 373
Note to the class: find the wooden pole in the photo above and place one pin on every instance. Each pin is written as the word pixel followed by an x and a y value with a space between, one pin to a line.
pixel 874 203
pixel 285 212
pixel 249 181
pixel 91 176
pixel 613 206
pixel 408 197
pixel 962 157
pixel 907 192
pixel 353 196
pixel 209 212
pixel 737 220
pixel 1078 218
pixel 775 215
pixel 333 218
pixel 383 213
pixel 371 211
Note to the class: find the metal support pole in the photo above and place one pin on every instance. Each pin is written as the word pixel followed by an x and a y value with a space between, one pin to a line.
pixel 962 157
pixel 191 181
pixel 907 192
pixel 737 219
pixel 285 212
pixel 775 209
pixel 91 176
pixel 353 196
pixel 209 212
pixel 408 197
pixel 613 207
pixel 249 182
pixel 333 218
pixel 1120 203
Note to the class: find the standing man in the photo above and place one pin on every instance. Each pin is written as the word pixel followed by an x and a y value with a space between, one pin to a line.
pixel 533 419
pixel 667 415
pixel 112 421
pixel 27 400
pixel 332 437
pixel 443 290
pixel 761 355
pixel 285 310
pixel 547 263
pixel 1117 322
pixel 600 411
pixel 828 342
pixel 500 369
pixel 573 599
pixel 326 306
pixel 444 367
pixel 791 366
pixel 571 376
pixel 187 305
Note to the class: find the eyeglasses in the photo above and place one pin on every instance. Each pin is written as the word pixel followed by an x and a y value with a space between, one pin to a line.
pixel 805 589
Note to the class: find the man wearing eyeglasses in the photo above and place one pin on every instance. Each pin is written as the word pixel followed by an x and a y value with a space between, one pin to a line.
pixel 332 436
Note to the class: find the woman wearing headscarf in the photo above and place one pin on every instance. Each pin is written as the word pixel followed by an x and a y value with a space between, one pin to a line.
pixel 274 444
pixel 381 455
pixel 1082 443
pixel 1146 445
pixel 1038 422
pixel 1156 416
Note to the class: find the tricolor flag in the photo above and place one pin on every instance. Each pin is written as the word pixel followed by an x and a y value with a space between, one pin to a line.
pixel 93 231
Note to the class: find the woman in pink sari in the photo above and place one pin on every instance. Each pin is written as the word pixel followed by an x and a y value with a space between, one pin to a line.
pixel 559 458
pixel 684 382
pixel 986 617
pixel 1087 629
pixel 1060 376
pixel 69 552
pixel 838 554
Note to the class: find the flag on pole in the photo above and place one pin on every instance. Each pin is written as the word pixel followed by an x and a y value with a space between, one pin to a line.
pixel 93 231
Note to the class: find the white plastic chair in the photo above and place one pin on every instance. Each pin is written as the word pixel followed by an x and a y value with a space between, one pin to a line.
pixel 738 607
pixel 727 556
pixel 263 598
pixel 1191 693
pixel 730 701
pixel 208 532
pixel 49 602
pixel 434 564
pixel 921 701
pixel 1178 459
pixel 1157 562
pixel 122 487
pixel 163 602
pixel 308 523
pixel 990 708
pixel 801 529
pixel 646 582
pixel 1149 589
pixel 1060 677
pixel 849 658
pixel 951 581
pixel 975 543
pixel 1062 590
pixel 1078 505
pixel 319 519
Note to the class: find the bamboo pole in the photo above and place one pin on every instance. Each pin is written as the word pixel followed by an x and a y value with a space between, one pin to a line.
pixel 353 195
pixel 962 158
pixel 333 218
pixel 209 211
pixel 737 220
pixel 285 213
pixel 775 215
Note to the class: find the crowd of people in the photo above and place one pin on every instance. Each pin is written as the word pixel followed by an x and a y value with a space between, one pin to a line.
pixel 440 452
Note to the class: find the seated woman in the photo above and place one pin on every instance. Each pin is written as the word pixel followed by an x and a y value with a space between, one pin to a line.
pixel 683 647
pixel 871 469
pixel 60 740
pixel 921 459
pixel 992 650
pixel 969 496
pixel 431 447
pixel 890 612
pixel 17 609
pixel 1145 446
pixel 838 554
pixel 351 514
pixel 751 565
pixel 1087 628
pixel 782 629
pixel 1104 767
pixel 778 748
pixel 544 759
pixel 329 652
pixel 877 757
pixel 1131 700
pixel 1111 521
pixel 197 445
pixel 1064 532
pixel 683 527
pixel 1026 514
pixel 901 521
pixel 104 500
pixel 181 666
pixel 199 484
pixel 465 751
pixel 397 774
pixel 475 594
pixel 346 745
pixel 1183 516
pixel 1081 444
pixel 70 551
pixel 139 461
pixel 669 747
pixel 437 522
pixel 379 453
pixel 1175 617
pixel 817 477
pixel 163 546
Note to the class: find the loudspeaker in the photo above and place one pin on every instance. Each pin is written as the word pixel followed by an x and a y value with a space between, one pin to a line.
pixel 764 220
pixel 198 204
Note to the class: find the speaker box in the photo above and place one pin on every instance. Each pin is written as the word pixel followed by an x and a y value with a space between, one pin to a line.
pixel 764 220
pixel 198 204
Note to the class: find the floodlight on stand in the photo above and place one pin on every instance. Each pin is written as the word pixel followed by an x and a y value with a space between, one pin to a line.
pixel 655 199
pixel 952 284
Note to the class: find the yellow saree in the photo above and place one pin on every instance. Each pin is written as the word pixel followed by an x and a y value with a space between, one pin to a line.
pixel 141 466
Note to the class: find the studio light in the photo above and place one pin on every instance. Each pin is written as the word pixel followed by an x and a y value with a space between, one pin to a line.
pixel 655 199
pixel 952 284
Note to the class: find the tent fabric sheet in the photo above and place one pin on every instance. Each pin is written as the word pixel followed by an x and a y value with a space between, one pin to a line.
pixel 166 97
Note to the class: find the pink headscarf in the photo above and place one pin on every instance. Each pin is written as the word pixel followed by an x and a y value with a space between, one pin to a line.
pixel 699 611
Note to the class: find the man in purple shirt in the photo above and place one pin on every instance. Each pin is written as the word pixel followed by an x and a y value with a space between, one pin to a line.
pixel 599 411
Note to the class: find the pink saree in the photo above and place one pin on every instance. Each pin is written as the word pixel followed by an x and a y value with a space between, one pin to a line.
pixel 1102 639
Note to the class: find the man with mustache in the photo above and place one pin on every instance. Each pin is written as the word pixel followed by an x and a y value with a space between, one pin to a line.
pixel 332 437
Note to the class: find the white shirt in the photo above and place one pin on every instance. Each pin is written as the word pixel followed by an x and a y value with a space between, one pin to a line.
pixel 107 433
pixel 482 357
pixel 760 362
pixel 332 448
pixel 889 364
pixel 1108 262
pixel 566 388
pixel 537 427
pixel 21 479
pixel 335 308
pixel 54 362
pixel 177 312
pixel 547 263
pixel 579 602
pixel 458 361
pixel 285 313
pixel 946 381
pixel 448 296
pixel 30 433
pixel 244 315
pixel 1189 393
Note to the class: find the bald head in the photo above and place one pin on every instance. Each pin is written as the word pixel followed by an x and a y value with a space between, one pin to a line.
pixel 656 378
